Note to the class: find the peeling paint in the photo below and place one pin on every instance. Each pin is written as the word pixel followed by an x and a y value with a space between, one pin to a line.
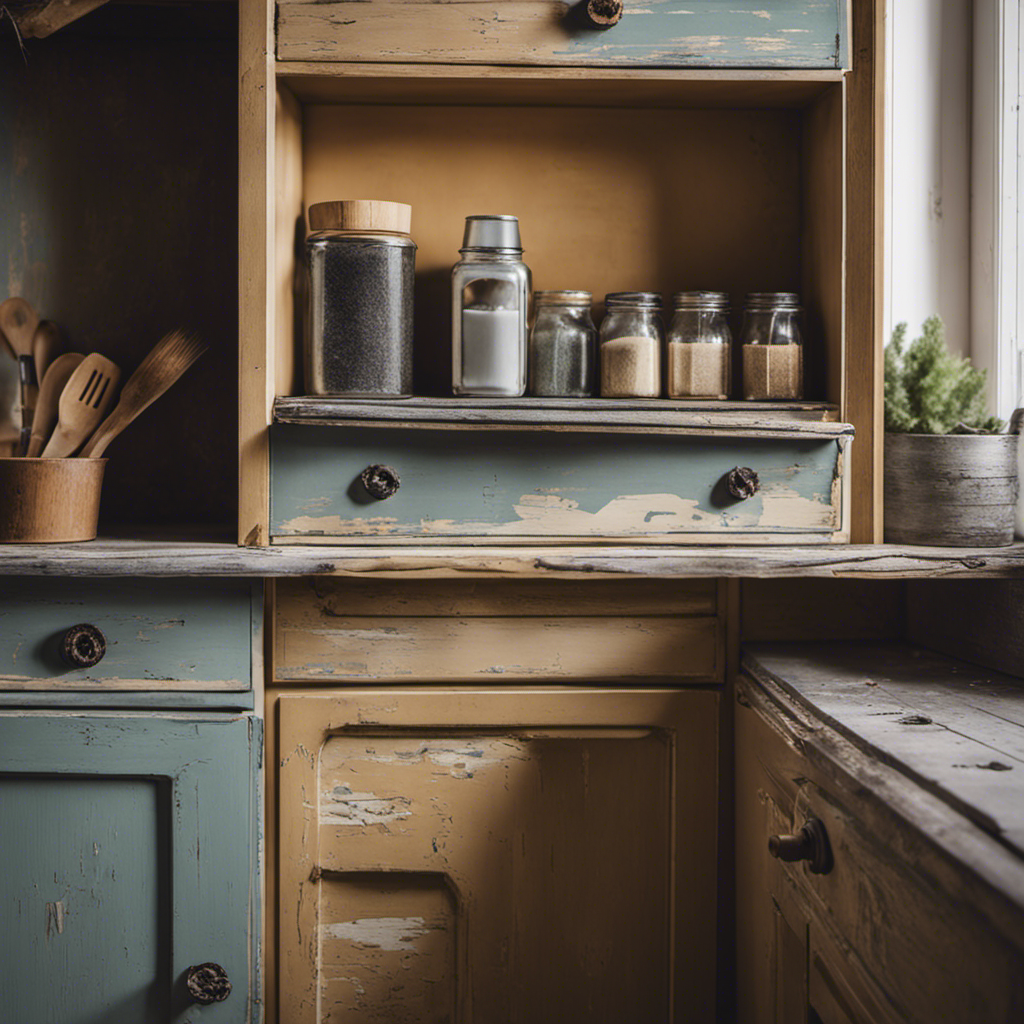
pixel 54 919
pixel 339 805
pixel 395 934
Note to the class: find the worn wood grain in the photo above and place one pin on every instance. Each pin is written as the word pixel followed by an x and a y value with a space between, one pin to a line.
pixel 907 865
pixel 715 33
pixel 953 728
pixel 524 805
pixel 156 558
pixel 737 418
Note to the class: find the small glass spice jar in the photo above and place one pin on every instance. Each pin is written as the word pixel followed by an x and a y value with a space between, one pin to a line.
pixel 563 345
pixel 773 351
pixel 490 303
pixel 699 360
pixel 632 337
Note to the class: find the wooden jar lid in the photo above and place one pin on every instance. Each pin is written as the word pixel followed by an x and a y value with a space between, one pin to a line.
pixel 361 215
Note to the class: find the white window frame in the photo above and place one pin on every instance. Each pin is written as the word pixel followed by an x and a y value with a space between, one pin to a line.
pixel 997 204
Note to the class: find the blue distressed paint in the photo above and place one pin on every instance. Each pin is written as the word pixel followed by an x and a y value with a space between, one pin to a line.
pixel 176 629
pixel 479 477
pixel 139 832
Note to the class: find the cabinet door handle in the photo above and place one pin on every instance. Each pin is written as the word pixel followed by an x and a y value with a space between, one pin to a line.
pixel 810 844
pixel 83 646
pixel 380 481
pixel 601 13
pixel 742 482
pixel 207 983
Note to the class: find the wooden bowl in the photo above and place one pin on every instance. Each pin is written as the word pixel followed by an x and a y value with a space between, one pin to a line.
pixel 49 500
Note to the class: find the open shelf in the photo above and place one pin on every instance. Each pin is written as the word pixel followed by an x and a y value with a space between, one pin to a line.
pixel 734 418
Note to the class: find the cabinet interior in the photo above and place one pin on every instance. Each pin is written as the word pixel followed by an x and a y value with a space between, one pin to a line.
pixel 622 182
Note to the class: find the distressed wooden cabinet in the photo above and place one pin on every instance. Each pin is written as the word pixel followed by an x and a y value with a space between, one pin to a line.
pixel 129 846
pixel 920 916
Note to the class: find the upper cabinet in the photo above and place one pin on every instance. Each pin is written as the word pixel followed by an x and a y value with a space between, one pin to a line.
pixel 662 33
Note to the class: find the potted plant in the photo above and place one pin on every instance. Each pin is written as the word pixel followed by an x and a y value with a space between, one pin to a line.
pixel 950 475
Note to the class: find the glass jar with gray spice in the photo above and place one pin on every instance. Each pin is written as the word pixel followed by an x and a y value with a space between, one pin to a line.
pixel 563 345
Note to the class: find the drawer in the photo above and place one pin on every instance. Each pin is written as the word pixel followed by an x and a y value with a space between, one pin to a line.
pixel 340 630
pixel 160 635
pixel 659 33
pixel 505 485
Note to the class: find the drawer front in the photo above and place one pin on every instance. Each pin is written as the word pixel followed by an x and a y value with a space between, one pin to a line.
pixel 494 632
pixel 160 635
pixel 552 485
pixel 661 33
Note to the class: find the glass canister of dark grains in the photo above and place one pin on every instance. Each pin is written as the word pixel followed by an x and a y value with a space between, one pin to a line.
pixel 773 350
pixel 699 363
pixel 361 266
pixel 632 336
pixel 563 345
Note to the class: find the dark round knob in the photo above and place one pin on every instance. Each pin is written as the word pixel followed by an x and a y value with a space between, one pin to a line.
pixel 207 983
pixel 810 844
pixel 380 482
pixel 83 646
pixel 742 482
pixel 601 13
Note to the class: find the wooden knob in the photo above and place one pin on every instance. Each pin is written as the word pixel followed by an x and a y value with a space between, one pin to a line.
pixel 207 983
pixel 810 844
pixel 83 646
pixel 743 482
pixel 381 482
pixel 601 13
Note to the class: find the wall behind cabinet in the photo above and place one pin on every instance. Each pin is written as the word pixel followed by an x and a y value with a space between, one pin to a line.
pixel 118 181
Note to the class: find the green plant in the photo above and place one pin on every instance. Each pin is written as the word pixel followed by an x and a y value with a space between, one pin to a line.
pixel 928 390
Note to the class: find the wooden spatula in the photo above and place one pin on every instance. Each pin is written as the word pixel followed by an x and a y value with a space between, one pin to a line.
pixel 57 375
pixel 172 355
pixel 83 404
pixel 46 346
pixel 18 321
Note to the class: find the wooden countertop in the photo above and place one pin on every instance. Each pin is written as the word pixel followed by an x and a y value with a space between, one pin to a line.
pixel 156 556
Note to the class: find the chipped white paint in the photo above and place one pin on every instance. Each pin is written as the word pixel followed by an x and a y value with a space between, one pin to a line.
pixel 54 919
pixel 339 805
pixel 394 934
pixel 459 759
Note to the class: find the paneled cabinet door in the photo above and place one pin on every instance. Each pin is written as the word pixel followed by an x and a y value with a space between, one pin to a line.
pixel 490 856
pixel 128 853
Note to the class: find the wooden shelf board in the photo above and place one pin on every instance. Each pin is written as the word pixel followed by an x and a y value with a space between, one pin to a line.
pixel 734 418
pixel 152 557
pixel 485 85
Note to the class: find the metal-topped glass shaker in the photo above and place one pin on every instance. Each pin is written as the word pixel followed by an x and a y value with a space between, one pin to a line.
pixel 490 305
pixel 773 351
pixel 361 266
pixel 632 336
pixel 699 361
pixel 563 345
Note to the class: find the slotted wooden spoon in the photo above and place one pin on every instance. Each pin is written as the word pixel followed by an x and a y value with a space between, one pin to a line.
pixel 172 355
pixel 55 380
pixel 83 404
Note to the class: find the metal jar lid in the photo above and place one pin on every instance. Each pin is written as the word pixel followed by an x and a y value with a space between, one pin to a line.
pixel 492 231
pixel 758 301
pixel 562 298
pixel 640 300
pixel 717 301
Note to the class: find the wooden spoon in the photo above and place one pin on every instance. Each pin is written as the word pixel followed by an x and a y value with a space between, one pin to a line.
pixel 83 404
pixel 18 321
pixel 56 379
pixel 46 346
pixel 172 355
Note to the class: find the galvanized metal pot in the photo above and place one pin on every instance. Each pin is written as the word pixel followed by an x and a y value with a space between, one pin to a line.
pixel 953 490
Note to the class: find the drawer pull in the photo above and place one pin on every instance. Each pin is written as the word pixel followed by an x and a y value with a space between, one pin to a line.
pixel 381 482
pixel 83 646
pixel 810 844
pixel 207 983
pixel 743 482
pixel 601 13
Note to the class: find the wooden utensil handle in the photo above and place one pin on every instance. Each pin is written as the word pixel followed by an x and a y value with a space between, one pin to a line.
pixel 29 396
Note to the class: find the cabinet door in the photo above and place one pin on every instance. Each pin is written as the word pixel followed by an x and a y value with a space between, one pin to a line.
pixel 494 856
pixel 128 846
